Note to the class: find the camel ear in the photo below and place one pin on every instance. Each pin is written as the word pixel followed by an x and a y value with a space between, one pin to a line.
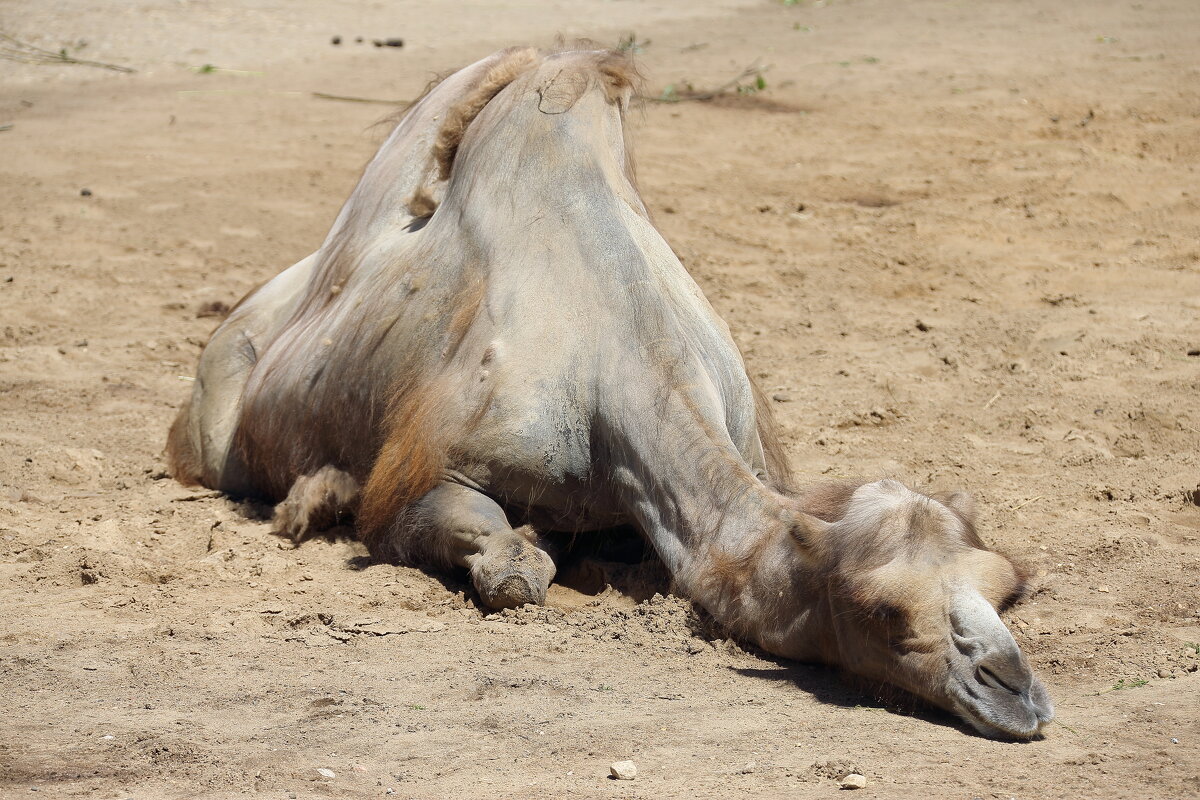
pixel 809 531
pixel 962 502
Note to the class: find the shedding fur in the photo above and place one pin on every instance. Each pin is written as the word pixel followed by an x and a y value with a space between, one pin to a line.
pixel 421 203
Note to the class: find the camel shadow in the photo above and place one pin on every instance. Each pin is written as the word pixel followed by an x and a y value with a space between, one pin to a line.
pixel 834 687
pixel 621 560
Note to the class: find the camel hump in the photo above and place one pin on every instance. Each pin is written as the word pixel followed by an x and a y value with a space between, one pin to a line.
pixel 571 74
pixel 508 66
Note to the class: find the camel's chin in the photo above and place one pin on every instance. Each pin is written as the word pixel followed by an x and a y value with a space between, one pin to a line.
pixel 1001 714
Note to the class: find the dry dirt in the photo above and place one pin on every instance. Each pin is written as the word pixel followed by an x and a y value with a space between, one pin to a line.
pixel 959 243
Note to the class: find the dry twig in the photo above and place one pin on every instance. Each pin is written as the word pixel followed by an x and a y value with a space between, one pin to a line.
pixel 670 95
pixel 673 95
pixel 351 99
pixel 12 49
pixel 1027 502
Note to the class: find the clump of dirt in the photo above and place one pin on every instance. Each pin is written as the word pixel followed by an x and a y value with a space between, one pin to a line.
pixel 833 769
pixel 218 309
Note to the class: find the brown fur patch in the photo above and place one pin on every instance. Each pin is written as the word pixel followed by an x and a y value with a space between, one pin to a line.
pixel 732 571
pixel 466 308
pixel 183 462
pixel 620 74
pixel 418 435
pixel 827 501
pixel 421 203
pixel 779 471
pixel 410 463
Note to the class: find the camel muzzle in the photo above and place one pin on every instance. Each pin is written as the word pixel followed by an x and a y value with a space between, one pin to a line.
pixel 991 684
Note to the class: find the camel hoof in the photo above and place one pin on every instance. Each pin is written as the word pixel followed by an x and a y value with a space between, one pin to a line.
pixel 512 573
pixel 513 591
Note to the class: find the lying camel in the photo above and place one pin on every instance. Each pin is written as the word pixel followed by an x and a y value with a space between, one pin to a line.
pixel 496 343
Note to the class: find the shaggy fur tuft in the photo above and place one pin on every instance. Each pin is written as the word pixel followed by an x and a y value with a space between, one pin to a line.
pixel 315 503
pixel 514 62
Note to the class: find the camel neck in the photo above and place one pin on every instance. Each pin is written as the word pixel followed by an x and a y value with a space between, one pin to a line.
pixel 682 479
pixel 725 537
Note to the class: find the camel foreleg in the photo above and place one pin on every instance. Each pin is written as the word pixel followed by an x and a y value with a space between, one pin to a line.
pixel 454 525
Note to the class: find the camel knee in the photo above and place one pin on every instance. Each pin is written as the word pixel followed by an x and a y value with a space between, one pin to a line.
pixel 316 502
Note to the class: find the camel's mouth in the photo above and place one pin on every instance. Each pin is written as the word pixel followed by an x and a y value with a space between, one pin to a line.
pixel 999 710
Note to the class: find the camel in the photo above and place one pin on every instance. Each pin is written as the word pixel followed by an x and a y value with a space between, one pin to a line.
pixel 494 344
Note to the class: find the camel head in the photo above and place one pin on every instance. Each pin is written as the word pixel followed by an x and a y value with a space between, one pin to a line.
pixel 913 599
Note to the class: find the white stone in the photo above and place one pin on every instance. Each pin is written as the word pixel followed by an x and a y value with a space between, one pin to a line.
pixel 853 781
pixel 328 773
pixel 623 770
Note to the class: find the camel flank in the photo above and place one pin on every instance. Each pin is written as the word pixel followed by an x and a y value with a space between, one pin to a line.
pixel 496 344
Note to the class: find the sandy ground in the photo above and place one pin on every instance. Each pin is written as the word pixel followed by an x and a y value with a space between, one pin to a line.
pixel 959 243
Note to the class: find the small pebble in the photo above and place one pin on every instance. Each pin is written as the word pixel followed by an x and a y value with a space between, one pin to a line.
pixel 748 769
pixel 852 781
pixel 327 773
pixel 1174 740
pixel 1162 673
pixel 781 397
pixel 336 40
pixel 85 192
pixel 623 770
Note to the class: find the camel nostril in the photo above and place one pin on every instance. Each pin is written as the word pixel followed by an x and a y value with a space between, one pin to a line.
pixel 989 678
